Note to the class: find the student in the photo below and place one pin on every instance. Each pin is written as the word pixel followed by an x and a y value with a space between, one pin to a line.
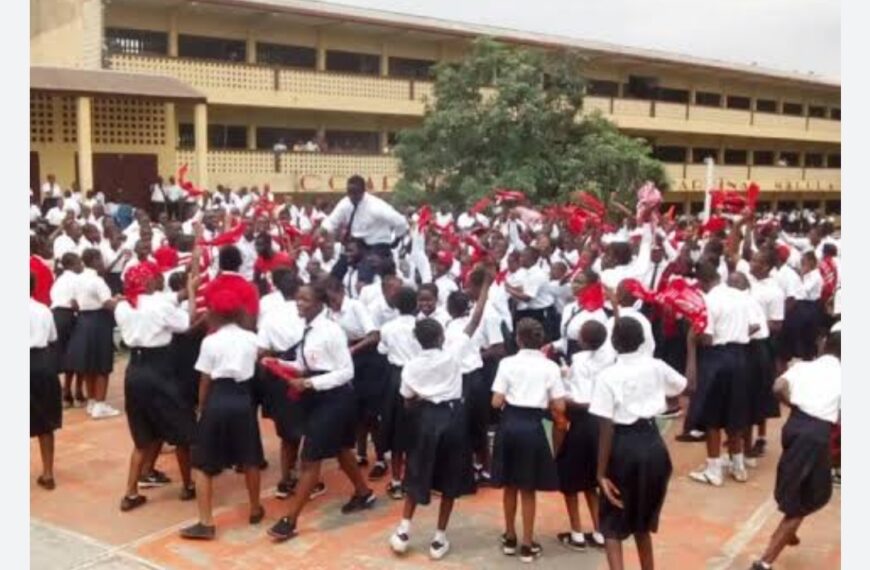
pixel 526 386
pixel 443 280
pixel 45 403
pixel 324 370
pixel 91 348
pixel 229 263
pixel 578 446
pixel 803 475
pixel 427 303
pixel 633 462
pixel 531 293
pixel 63 309
pixel 624 307
pixel 227 432
pixel 574 316
pixel 440 456
pixel 399 344
pixel 154 404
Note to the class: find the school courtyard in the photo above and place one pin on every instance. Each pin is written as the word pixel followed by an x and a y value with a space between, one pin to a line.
pixel 79 525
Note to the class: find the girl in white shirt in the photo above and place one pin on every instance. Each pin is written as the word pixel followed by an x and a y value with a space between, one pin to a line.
pixel 429 304
pixel 577 454
pixel 45 403
pixel 634 466
pixel 64 309
pixel 525 387
pixel 227 432
pixel 803 475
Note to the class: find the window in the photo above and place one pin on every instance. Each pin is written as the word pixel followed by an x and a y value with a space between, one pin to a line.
pixel 696 207
pixel 350 62
pixel 201 47
pixel 736 156
pixel 762 157
pixel 641 87
pixel 267 137
pixel 834 160
pixel 410 68
pixel 814 160
pixel 127 41
pixel 227 136
pixel 673 154
pixel 186 137
pixel 738 102
pixel 835 113
pixel 353 142
pixel 699 154
pixel 832 207
pixel 765 106
pixel 794 109
pixel 817 112
pixel 286 56
pixel 788 158
pixel 787 205
pixel 392 139
pixel 673 95
pixel 812 204
pixel 598 88
pixel 708 99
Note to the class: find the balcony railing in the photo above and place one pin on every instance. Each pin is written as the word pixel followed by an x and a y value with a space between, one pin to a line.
pixel 693 177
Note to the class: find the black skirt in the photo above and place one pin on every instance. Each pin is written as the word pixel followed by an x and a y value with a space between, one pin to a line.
pixel 64 322
pixel 477 397
pixel 803 474
pixel 91 349
pixel 271 392
pixel 762 372
pixel 800 330
pixel 640 468
pixel 227 433
pixel 490 368
pixel 370 382
pixel 155 408
pixel 440 456
pixel 722 398
pixel 395 430
pixel 329 423
pixel 45 403
pixel 577 460
pixel 521 455
pixel 185 351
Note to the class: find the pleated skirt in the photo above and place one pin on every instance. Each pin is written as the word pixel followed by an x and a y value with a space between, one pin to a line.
pixel 521 455
pixel 46 409
pixel 803 474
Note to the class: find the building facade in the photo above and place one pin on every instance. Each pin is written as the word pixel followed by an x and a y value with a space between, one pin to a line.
pixel 300 95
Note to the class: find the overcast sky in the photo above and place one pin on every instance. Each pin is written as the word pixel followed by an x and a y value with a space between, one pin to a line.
pixel 792 35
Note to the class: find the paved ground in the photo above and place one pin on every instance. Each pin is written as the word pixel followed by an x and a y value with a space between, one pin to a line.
pixel 79 525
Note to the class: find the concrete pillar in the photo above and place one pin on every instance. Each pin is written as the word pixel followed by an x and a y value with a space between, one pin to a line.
pixel 321 52
pixel 200 133
pixel 173 34
pixel 171 131
pixel 251 47
pixel 83 145
pixel 383 139
pixel 385 60
pixel 252 137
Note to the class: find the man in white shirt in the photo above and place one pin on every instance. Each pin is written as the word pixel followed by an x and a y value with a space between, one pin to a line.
pixel 51 192
pixel 534 299
pixel 158 198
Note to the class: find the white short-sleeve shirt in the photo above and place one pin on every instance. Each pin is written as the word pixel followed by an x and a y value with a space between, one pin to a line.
pixel 815 387
pixel 229 352
pixel 585 367
pixel 529 379
pixel 42 329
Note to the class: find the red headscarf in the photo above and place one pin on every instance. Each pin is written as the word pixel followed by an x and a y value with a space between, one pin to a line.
pixel 136 280
pixel 166 258
pixel 43 280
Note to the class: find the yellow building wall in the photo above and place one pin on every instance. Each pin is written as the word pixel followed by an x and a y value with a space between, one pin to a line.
pixel 66 33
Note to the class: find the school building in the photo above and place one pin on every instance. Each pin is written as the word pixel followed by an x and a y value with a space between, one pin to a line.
pixel 301 94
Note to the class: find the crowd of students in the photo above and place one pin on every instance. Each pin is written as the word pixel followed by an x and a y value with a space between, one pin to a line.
pixel 530 349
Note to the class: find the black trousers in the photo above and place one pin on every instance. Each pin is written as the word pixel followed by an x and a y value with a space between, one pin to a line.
pixel 367 267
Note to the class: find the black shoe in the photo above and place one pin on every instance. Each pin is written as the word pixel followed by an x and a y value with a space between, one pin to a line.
pixel 283 529
pixel 319 489
pixel 483 479
pixel 529 553
pixel 395 491
pixel 154 479
pixel 508 545
pixel 379 469
pixel 257 516
pixel 757 565
pixel 568 541
pixel 286 487
pixel 593 540
pixel 130 503
pixel 691 438
pixel 198 531
pixel 359 503
pixel 757 449
pixel 188 493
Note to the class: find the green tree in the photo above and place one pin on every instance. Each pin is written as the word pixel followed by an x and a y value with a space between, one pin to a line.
pixel 509 116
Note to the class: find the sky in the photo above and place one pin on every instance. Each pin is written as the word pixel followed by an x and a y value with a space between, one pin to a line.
pixel 790 35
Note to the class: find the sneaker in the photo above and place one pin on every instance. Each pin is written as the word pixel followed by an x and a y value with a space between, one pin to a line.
pixel 739 474
pixel 529 553
pixel 438 549
pixel 198 531
pixel 319 489
pixel 595 539
pixel 508 545
pixel 568 541
pixel 188 493
pixel 154 479
pixel 704 475
pixel 691 437
pixel 89 407
pixel 379 469
pixel 671 413
pixel 758 448
pixel 359 503
pixel 283 529
pixel 750 462
pixel 286 487
pixel 130 503
pixel 102 410
pixel 395 491
pixel 399 542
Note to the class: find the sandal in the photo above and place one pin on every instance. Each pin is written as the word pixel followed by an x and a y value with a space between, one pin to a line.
pixel 46 483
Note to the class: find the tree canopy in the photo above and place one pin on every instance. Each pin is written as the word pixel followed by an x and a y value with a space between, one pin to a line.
pixel 512 117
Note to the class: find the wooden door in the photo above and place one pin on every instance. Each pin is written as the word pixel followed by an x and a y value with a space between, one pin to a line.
pixel 34 176
pixel 125 178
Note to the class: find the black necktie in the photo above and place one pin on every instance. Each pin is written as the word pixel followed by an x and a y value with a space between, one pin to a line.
pixel 574 313
pixel 302 347
pixel 652 282
pixel 350 288
pixel 347 234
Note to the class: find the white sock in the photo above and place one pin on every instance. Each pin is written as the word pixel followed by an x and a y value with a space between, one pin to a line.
pixel 404 527
pixel 395 482
pixel 738 461
pixel 577 536
pixel 440 536
pixel 714 464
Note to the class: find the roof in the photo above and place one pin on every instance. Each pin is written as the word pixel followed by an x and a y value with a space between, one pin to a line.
pixel 104 82
pixel 440 26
